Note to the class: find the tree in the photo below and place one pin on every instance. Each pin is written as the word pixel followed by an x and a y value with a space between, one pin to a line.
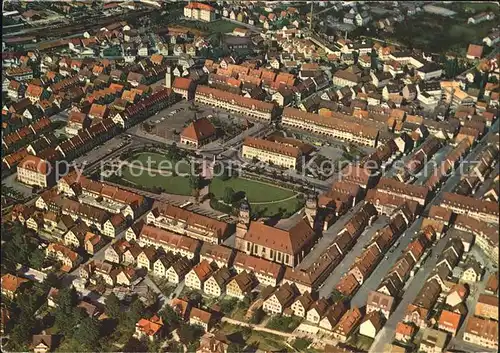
pixel 195 181
pixel 112 306
pixel 373 61
pixel 355 56
pixel 87 333
pixel 135 311
pixel 37 258
pixel 189 333
pixel 234 348
pixel 228 195
pixel 170 317
pixel 66 315
pixel 227 306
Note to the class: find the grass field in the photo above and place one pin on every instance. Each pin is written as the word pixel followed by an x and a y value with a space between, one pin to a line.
pixel 221 26
pixel 262 197
pixel 178 185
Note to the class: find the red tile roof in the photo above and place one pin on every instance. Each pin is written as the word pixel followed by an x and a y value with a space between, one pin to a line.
pixel 199 130
pixel 34 163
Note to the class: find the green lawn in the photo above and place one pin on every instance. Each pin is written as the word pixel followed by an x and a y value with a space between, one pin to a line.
pixel 178 185
pixel 255 191
pixel 221 26
pixel 264 199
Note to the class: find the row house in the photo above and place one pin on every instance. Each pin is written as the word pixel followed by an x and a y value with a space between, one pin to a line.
pixel 347 324
pixel 485 234
pixel 216 284
pixel 66 256
pixel 338 127
pixel 280 299
pixel 418 312
pixel 482 210
pixel 144 108
pixel 408 192
pixel 102 195
pixel 271 152
pixel 481 332
pixel 191 224
pixel 196 278
pixel 235 103
pixel 221 255
pixel 241 285
pixel 308 280
pixel 266 272
pixel 146 235
pixel 35 171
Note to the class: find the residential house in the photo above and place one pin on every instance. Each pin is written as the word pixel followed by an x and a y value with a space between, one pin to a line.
pixel 404 332
pixel 300 307
pixel 150 329
pixel 178 270
pixel 487 307
pixel 333 316
pixel 481 332
pixel 433 341
pixel 317 310
pixel 215 285
pixel 347 324
pixel 11 284
pixel 42 343
pixel 241 285
pixel 372 324
pixel 199 274
pixel 449 321
pixel 280 299
pixel 202 318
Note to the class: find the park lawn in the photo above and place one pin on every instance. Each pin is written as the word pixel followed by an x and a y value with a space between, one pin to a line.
pixel 157 158
pixel 270 209
pixel 177 185
pixel 264 199
pixel 255 191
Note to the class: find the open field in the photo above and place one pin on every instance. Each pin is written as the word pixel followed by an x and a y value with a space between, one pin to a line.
pixel 220 26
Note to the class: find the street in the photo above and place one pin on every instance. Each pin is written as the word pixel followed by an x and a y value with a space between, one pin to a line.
pixel 388 331
pixel 350 257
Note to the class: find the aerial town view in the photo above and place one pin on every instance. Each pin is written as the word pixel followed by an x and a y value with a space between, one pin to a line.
pixel 250 176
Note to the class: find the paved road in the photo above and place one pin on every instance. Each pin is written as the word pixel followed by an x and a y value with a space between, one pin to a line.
pixel 388 331
pixel 348 260
pixel 385 265
pixel 475 290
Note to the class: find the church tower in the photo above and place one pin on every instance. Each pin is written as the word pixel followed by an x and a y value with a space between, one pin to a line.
pixel 168 78
pixel 243 225
pixel 311 208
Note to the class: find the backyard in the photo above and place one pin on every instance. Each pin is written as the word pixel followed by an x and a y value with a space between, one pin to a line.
pixel 264 199
pixel 262 340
